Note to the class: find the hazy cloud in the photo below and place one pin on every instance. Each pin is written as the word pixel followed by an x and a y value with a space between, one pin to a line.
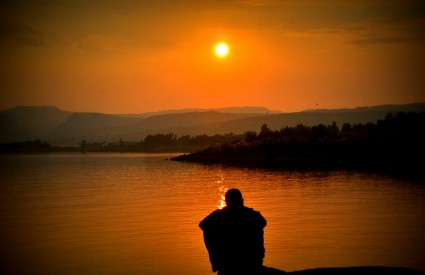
pixel 379 40
pixel 259 3
pixel 17 33
pixel 22 34
pixel 390 31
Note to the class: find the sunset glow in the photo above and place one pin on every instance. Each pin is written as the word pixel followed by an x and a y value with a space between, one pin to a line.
pixel 141 56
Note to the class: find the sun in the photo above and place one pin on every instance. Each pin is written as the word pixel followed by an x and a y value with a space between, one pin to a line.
pixel 221 49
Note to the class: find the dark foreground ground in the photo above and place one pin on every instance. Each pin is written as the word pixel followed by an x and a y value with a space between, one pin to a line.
pixel 358 270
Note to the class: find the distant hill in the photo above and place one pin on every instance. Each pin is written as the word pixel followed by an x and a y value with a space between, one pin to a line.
pixel 25 123
pixel 93 121
pixel 231 110
pixel 102 127
pixel 413 107
pixel 70 128
pixel 191 119
pixel 308 118
pixel 11 131
pixel 89 126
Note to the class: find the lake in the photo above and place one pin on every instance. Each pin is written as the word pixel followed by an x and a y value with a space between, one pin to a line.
pixel 139 214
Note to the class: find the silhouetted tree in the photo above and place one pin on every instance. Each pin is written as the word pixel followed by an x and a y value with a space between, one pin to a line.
pixel 320 132
pixel 265 131
pixel 83 144
pixel 250 136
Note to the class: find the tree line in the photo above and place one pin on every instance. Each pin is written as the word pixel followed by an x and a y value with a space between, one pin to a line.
pixel 395 136
pixel 161 143
pixel 395 142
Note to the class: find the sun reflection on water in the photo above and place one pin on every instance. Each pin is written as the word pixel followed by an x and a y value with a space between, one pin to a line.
pixel 222 201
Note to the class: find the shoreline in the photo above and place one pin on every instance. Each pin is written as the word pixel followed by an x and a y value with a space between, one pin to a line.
pixel 390 167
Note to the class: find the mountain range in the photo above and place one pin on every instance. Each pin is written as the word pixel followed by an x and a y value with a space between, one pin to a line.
pixel 70 128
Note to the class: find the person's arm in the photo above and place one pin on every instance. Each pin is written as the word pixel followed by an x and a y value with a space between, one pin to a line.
pixel 211 244
pixel 261 222
pixel 211 239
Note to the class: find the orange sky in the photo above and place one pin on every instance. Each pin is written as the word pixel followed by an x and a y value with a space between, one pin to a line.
pixel 123 56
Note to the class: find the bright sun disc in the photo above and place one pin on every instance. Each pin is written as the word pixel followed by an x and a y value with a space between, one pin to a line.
pixel 221 49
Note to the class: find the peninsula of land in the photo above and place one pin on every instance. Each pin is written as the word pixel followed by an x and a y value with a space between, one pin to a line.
pixel 394 144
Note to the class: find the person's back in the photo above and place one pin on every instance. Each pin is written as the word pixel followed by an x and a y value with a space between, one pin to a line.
pixel 234 237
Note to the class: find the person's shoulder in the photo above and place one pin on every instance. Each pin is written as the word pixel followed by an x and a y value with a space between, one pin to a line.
pixel 257 215
pixel 211 218
pixel 252 211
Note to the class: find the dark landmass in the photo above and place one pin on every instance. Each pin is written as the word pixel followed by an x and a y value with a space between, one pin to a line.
pixel 230 110
pixel 159 143
pixel 26 123
pixel 394 144
pixel 391 145
pixel 36 146
pixel 61 128
pixel 359 270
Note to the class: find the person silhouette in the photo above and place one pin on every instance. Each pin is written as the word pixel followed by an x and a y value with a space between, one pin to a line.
pixel 234 238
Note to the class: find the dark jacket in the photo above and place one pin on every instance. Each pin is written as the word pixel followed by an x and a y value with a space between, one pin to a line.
pixel 234 238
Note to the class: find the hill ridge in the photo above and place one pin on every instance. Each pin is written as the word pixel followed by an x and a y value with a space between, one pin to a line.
pixel 62 127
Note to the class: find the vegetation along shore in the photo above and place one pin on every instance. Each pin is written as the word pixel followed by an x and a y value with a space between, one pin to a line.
pixel 394 144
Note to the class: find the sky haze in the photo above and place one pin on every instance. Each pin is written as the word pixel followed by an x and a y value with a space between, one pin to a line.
pixel 140 56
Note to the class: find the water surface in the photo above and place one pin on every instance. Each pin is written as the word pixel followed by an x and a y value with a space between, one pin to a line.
pixel 139 214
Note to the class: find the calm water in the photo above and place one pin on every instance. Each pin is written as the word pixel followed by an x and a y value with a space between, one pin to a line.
pixel 139 214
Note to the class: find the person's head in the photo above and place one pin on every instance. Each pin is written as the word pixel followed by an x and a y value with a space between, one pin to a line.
pixel 233 197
